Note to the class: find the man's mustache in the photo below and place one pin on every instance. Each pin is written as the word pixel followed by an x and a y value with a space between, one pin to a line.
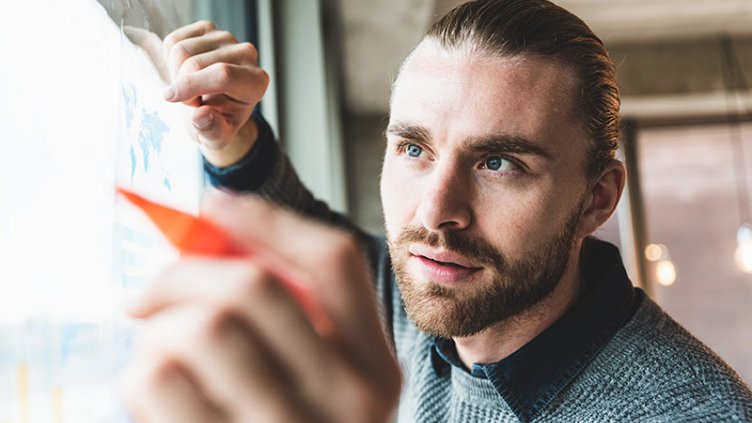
pixel 476 249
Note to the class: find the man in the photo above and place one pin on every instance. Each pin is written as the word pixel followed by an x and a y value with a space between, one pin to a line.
pixel 499 165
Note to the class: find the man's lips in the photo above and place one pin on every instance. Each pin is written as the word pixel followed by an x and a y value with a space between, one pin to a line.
pixel 441 256
pixel 441 266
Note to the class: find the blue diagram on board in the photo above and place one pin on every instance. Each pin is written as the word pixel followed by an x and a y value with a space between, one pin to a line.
pixel 151 135
pixel 146 131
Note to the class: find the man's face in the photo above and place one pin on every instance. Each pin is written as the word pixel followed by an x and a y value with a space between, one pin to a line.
pixel 482 186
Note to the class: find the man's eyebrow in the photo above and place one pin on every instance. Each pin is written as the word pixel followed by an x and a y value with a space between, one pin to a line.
pixel 505 144
pixel 409 131
pixel 502 143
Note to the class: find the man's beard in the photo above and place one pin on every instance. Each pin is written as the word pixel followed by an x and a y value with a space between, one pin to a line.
pixel 514 286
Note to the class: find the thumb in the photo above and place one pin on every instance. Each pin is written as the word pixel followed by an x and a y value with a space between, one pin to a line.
pixel 222 143
pixel 212 129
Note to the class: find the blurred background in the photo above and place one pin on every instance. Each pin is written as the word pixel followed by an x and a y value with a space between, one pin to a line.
pixel 684 69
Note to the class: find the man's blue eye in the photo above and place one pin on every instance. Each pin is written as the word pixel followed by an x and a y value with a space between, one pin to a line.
pixel 414 150
pixel 497 163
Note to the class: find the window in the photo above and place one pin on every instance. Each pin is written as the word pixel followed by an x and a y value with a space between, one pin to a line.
pixel 692 208
pixel 81 111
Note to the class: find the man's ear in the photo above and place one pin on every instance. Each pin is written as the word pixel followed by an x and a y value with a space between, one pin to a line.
pixel 603 197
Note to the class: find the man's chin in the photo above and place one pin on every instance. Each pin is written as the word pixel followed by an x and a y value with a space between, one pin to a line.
pixel 441 315
pixel 437 324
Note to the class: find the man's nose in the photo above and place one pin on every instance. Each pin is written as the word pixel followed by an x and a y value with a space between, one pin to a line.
pixel 445 203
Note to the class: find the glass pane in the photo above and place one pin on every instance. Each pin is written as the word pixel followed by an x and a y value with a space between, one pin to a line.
pixel 692 208
pixel 82 111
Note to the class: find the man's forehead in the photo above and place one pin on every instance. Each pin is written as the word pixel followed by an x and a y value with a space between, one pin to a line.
pixel 522 75
pixel 429 53
pixel 471 95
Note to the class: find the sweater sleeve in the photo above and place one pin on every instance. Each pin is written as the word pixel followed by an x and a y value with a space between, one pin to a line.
pixel 266 171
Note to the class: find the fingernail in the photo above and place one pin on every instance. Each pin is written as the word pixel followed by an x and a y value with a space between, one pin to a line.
pixel 204 121
pixel 169 92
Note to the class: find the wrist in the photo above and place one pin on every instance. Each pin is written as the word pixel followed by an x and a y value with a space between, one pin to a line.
pixel 238 147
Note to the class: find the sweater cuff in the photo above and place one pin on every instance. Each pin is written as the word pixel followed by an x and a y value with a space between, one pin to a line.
pixel 254 168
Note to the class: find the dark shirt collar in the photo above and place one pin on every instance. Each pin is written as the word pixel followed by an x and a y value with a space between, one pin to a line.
pixel 528 379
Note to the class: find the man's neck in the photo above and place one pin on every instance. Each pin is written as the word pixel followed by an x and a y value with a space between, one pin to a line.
pixel 504 338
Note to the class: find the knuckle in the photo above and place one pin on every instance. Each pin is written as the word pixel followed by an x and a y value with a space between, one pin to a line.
pixel 225 36
pixel 256 284
pixel 249 50
pixel 193 64
pixel 264 79
pixel 160 373
pixel 170 39
pixel 224 72
pixel 180 52
pixel 211 326
pixel 206 25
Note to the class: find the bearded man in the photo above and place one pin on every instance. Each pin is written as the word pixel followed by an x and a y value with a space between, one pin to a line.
pixel 494 297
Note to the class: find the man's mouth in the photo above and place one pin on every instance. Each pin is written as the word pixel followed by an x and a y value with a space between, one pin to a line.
pixel 444 263
pixel 441 266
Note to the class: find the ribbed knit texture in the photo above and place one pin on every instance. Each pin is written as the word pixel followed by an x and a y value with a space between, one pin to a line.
pixel 652 370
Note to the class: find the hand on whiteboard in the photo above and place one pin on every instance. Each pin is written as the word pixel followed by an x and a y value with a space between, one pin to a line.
pixel 211 71
pixel 220 77
pixel 225 342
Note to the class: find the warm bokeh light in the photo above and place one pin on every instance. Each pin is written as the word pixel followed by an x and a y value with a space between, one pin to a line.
pixel 665 272
pixel 744 257
pixel 655 252
pixel 743 254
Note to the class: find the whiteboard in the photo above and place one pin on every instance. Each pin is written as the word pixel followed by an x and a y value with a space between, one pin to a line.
pixel 81 111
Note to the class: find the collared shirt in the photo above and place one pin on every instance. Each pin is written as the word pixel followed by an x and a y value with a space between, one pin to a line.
pixel 528 379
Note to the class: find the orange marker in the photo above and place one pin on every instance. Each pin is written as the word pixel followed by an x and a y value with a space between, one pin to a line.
pixel 198 236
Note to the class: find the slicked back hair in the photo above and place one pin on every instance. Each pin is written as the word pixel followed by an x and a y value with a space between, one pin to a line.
pixel 515 28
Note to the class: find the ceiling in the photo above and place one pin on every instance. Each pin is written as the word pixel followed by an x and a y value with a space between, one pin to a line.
pixel 637 20
pixel 378 34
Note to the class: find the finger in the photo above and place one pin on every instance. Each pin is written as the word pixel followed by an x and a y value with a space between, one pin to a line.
pixel 195 29
pixel 162 392
pixel 187 48
pixel 241 83
pixel 214 129
pixel 152 45
pixel 234 369
pixel 341 281
pixel 236 54
pixel 252 295
pixel 218 119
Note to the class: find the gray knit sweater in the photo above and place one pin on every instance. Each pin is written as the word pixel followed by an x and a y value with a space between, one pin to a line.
pixel 650 369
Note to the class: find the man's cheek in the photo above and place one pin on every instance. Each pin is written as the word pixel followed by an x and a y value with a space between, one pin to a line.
pixel 398 197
